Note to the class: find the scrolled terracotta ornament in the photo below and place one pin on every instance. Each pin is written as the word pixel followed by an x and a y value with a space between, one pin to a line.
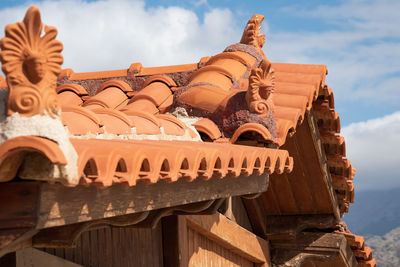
pixel 31 62
pixel 251 34
pixel 261 87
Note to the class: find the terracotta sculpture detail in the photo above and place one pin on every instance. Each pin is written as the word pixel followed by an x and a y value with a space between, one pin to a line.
pixel 31 62
pixel 251 34
pixel 261 86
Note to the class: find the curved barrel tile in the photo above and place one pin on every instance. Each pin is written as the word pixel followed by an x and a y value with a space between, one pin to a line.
pixel 81 121
pixel 114 121
pixel 71 94
pixel 251 127
pixel 13 150
pixel 110 97
pixel 208 127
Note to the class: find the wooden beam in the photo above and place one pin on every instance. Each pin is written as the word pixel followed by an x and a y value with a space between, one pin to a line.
pixel 175 241
pixel 231 236
pixel 257 216
pixel 60 205
pixel 310 247
pixel 29 207
pixel 18 214
pixel 288 226
pixel 308 188
pixel 327 180
pixel 66 236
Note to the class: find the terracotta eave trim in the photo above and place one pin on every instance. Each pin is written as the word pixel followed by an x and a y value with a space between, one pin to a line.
pixel 184 159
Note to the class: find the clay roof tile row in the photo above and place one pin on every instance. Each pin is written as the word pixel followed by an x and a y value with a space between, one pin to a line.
pixel 109 111
pixel 104 162
pixel 362 253
pixel 299 88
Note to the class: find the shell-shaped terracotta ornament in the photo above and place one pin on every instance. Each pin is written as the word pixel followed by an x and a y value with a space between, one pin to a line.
pixel 261 87
pixel 31 62
pixel 251 34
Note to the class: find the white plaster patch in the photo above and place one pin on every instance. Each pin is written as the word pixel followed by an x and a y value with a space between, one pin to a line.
pixel 182 115
pixel 47 127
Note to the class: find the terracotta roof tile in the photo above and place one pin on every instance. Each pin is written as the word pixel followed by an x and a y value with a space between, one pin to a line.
pixel 71 94
pixel 3 82
pixel 362 253
pixel 369 263
pixel 144 122
pixel 110 97
pixel 114 121
pixel 13 150
pixel 208 127
pixel 251 127
pixel 307 81
pixel 150 161
pixel 81 121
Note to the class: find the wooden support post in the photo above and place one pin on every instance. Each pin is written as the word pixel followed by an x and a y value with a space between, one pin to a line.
pixel 175 241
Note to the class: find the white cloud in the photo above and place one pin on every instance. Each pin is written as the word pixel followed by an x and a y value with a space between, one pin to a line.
pixel 373 147
pixel 361 47
pixel 107 35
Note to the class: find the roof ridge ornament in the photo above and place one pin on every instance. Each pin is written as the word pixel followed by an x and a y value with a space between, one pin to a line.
pixel 31 62
pixel 251 34
pixel 261 87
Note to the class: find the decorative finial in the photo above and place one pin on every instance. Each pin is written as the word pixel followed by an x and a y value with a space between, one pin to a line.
pixel 251 34
pixel 31 62
pixel 261 87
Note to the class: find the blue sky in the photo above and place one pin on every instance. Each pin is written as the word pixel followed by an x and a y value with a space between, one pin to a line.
pixel 358 40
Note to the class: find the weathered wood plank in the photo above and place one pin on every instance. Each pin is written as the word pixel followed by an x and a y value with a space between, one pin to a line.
pixel 8 260
pixel 257 215
pixel 328 192
pixel 116 246
pixel 288 226
pixel 31 257
pixel 298 179
pixel 231 236
pixel 281 186
pixel 240 213
pixel 61 205
pixel 18 214
pixel 308 188
pixel 19 204
pixel 312 247
pixel 175 241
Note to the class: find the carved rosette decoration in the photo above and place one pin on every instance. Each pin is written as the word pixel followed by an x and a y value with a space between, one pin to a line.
pixel 31 62
pixel 251 34
pixel 261 87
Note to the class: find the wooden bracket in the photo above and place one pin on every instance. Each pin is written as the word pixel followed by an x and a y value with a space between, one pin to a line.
pixel 66 236
pixel 312 246
pixel 289 226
